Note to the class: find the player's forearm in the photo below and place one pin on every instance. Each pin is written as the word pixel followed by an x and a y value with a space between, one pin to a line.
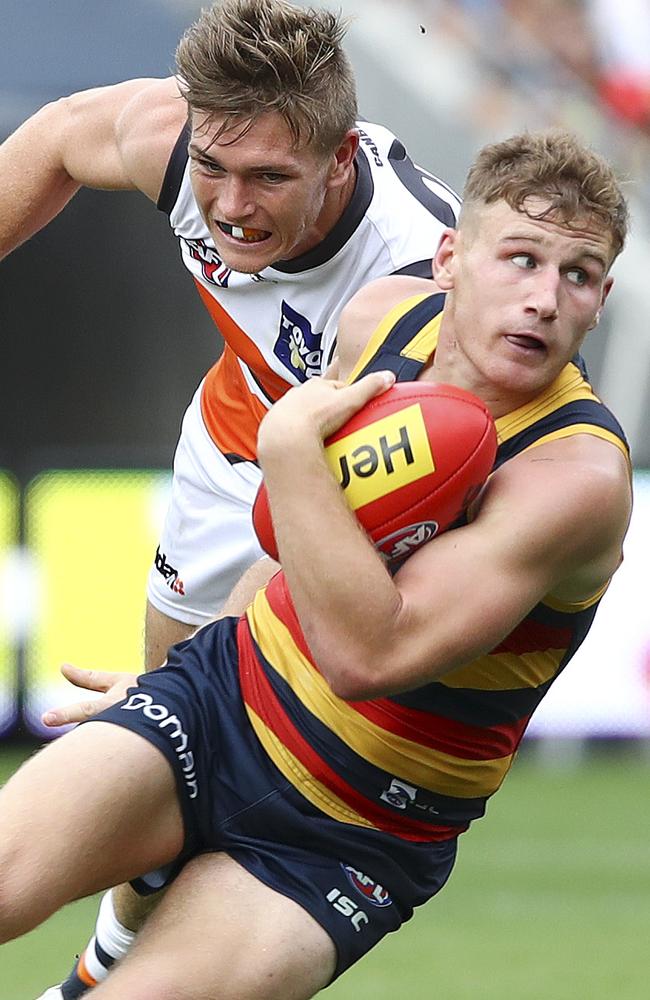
pixel 346 602
pixel 35 182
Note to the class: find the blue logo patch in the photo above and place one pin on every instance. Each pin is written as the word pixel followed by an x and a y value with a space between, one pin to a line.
pixel 298 347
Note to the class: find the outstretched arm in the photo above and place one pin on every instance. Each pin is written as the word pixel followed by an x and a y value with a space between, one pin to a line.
pixel 117 137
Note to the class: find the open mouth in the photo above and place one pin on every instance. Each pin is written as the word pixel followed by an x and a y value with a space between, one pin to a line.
pixel 243 233
pixel 525 342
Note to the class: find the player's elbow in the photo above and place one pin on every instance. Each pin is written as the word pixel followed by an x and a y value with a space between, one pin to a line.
pixel 362 674
pixel 349 683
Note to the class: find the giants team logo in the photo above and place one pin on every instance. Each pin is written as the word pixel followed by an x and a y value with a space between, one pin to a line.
pixel 213 268
pixel 372 891
pixel 297 346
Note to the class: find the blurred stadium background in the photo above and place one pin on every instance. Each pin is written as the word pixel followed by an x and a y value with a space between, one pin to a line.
pixel 104 341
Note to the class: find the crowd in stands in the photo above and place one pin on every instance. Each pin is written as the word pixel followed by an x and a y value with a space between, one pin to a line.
pixel 582 64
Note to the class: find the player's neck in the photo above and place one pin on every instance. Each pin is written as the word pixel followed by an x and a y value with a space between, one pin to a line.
pixel 450 364
pixel 335 203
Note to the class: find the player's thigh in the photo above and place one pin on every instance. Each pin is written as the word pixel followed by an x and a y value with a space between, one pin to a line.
pixel 96 807
pixel 220 934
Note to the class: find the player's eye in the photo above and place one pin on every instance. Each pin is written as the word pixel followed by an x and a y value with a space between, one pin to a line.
pixel 577 276
pixel 273 178
pixel 209 166
pixel 525 261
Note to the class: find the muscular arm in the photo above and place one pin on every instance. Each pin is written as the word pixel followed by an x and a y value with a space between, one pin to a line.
pixel 115 138
pixel 462 593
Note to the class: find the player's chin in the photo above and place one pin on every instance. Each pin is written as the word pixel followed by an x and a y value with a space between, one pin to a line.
pixel 249 258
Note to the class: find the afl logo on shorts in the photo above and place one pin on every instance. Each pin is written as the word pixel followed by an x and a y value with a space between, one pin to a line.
pixel 371 891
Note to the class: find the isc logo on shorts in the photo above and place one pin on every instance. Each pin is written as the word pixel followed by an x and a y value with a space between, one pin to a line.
pixel 382 457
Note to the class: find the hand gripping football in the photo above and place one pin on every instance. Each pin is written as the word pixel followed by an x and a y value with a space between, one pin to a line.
pixel 409 464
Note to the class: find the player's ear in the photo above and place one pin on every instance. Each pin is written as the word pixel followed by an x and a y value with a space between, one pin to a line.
pixel 607 287
pixel 442 264
pixel 343 159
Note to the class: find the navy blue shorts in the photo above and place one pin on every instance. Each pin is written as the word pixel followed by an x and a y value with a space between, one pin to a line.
pixel 358 883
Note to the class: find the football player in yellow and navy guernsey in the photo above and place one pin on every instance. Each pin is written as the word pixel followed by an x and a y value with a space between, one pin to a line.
pixel 309 764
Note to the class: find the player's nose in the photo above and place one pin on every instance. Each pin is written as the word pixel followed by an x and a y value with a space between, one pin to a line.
pixel 235 200
pixel 545 293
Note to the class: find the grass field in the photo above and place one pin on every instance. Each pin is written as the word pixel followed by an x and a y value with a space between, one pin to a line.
pixel 550 900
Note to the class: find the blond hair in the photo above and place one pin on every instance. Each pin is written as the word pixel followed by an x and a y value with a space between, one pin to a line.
pixel 243 58
pixel 552 165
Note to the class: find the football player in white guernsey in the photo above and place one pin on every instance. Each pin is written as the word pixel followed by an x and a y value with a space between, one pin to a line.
pixel 284 206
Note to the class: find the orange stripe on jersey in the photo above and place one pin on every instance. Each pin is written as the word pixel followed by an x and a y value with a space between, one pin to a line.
pixel 231 412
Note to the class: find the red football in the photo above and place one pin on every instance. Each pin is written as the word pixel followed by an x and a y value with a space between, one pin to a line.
pixel 409 463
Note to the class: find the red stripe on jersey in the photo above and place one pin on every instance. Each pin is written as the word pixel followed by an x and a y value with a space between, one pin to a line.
pixel 434 731
pixel 442 734
pixel 535 637
pixel 281 604
pixel 260 696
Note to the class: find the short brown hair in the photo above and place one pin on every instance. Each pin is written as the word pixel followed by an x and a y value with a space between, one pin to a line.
pixel 243 58
pixel 555 166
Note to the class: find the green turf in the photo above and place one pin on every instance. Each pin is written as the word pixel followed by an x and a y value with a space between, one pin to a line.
pixel 550 900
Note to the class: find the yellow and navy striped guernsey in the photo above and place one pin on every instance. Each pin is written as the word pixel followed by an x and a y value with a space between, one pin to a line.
pixel 419 765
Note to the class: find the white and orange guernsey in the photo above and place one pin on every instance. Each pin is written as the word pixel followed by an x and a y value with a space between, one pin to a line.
pixel 278 329
pixel 279 326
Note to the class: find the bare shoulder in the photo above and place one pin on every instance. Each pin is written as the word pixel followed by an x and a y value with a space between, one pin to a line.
pixel 121 136
pixel 367 307
pixel 376 298
pixel 147 130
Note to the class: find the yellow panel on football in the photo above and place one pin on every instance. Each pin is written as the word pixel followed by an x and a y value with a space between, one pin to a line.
pixel 382 457
pixel 93 535
pixel 9 514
